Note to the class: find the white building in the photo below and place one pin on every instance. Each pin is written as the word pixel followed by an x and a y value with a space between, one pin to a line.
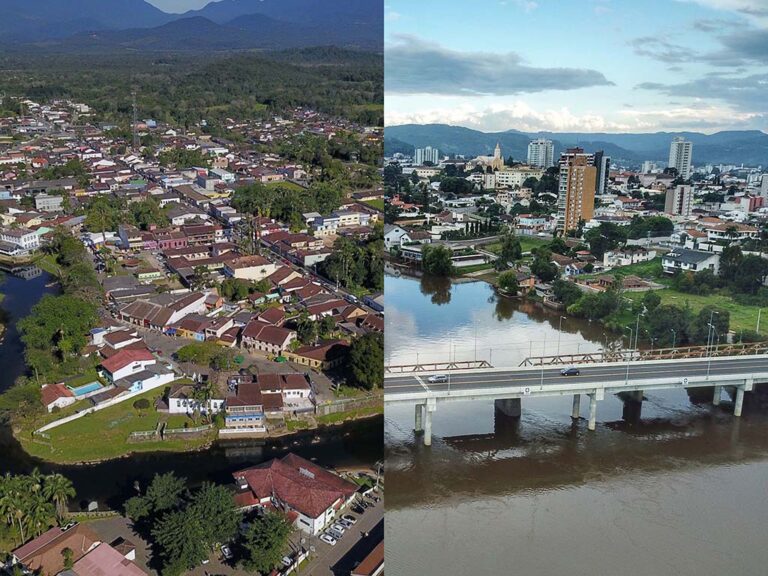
pixel 23 237
pixel 682 259
pixel 427 154
pixel 681 157
pixel 679 201
pixel 541 153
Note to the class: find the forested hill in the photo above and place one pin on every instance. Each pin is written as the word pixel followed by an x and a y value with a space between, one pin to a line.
pixel 749 147
pixel 185 89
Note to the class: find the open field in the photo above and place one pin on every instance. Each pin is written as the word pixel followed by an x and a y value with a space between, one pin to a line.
pixel 104 434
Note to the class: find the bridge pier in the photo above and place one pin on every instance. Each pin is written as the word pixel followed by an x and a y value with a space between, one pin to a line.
pixel 575 411
pixel 429 407
pixel 633 405
pixel 739 401
pixel 718 394
pixel 511 407
pixel 592 424
pixel 418 425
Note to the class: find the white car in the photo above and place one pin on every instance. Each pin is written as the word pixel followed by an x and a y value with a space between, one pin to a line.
pixel 437 378
pixel 328 539
pixel 286 561
pixel 338 527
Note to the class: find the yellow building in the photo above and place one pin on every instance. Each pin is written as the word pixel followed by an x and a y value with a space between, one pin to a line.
pixel 576 200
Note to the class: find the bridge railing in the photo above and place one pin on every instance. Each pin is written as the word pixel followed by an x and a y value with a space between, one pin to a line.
pixel 436 366
pixel 677 353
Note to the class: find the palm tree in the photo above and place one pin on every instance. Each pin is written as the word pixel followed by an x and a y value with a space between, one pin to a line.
pixel 39 515
pixel 34 481
pixel 59 489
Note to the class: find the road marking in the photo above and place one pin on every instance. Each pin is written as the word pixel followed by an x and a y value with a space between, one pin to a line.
pixel 420 381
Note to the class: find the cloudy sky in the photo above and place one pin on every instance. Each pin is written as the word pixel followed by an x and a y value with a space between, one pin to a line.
pixel 179 6
pixel 578 65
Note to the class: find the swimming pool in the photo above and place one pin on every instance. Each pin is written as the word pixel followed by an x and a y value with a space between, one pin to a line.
pixel 85 389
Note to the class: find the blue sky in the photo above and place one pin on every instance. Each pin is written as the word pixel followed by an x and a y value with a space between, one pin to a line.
pixel 179 6
pixel 578 65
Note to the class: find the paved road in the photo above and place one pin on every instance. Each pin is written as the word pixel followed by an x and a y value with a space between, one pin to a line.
pixel 330 560
pixel 415 383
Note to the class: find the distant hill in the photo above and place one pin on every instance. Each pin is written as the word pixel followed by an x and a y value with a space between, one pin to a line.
pixel 728 147
pixel 227 25
pixel 27 20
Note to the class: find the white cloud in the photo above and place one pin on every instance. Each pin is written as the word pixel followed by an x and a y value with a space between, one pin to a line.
pixel 519 115
pixel 755 10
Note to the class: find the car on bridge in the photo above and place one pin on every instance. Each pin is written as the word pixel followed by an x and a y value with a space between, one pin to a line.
pixel 437 378
pixel 570 371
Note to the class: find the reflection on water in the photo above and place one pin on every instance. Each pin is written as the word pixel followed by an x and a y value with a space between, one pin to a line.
pixel 681 488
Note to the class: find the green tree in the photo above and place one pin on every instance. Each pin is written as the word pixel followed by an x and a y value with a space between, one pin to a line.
pixel 366 361
pixel 181 540
pixel 507 282
pixel 214 507
pixel 58 489
pixel 437 260
pixel 566 292
pixel 264 541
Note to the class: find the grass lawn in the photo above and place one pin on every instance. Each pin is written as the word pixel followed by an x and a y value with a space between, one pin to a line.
pixel 350 414
pixel 377 203
pixel 475 268
pixel 741 317
pixel 650 270
pixel 527 243
pixel 104 434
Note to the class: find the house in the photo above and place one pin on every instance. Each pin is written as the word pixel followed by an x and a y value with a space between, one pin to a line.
pixel 690 261
pixel 125 363
pixel 182 399
pixel 296 392
pixel 244 410
pixel 104 560
pixel 295 485
pixel 627 255
pixel 48 203
pixel 26 239
pixel 252 268
pixel 372 564
pixel 56 396
pixel 260 336
pixel 323 356
pixel 44 553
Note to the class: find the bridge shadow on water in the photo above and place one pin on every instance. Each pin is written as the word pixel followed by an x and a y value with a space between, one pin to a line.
pixel 521 455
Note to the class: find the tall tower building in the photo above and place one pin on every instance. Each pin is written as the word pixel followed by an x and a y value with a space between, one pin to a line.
pixel 764 186
pixel 681 157
pixel 578 182
pixel 541 153
pixel 603 165
pixel 427 154
pixel 679 202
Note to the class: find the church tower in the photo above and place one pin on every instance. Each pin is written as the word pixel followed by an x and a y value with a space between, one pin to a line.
pixel 498 161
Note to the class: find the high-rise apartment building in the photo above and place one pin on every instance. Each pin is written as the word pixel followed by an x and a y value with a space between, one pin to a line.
pixel 679 202
pixel 681 157
pixel 764 186
pixel 578 182
pixel 541 153
pixel 427 154
pixel 603 165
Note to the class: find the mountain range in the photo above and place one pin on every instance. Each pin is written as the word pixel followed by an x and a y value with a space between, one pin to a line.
pixel 137 25
pixel 749 147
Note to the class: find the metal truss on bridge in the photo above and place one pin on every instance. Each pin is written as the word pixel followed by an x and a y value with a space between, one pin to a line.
pixel 436 366
pixel 642 355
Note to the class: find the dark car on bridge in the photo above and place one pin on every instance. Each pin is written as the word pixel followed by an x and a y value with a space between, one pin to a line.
pixel 570 371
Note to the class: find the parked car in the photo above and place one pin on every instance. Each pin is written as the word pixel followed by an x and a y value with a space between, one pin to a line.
pixel 335 533
pixel 226 552
pixel 349 518
pixel 338 527
pixel 357 509
pixel 437 378
pixel 570 371
pixel 328 539
pixel 346 523
pixel 286 561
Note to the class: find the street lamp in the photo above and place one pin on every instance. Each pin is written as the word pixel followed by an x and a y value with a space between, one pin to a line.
pixel 637 328
pixel 559 329
pixel 626 380
pixel 757 328
pixel 674 338
pixel 709 357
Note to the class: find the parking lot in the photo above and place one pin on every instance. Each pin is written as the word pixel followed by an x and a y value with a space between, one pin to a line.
pixel 336 560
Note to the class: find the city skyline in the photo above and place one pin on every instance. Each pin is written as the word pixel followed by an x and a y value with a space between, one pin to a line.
pixel 622 70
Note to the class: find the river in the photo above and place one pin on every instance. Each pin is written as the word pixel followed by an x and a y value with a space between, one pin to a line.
pixel 354 444
pixel 681 490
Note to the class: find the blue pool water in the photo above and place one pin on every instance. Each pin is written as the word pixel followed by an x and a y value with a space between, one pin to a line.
pixel 85 389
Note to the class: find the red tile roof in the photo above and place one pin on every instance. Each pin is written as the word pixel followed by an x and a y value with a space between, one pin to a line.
pixel 52 392
pixel 124 357
pixel 298 483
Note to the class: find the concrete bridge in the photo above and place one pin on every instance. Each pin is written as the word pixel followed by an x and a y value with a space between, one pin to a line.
pixel 508 386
